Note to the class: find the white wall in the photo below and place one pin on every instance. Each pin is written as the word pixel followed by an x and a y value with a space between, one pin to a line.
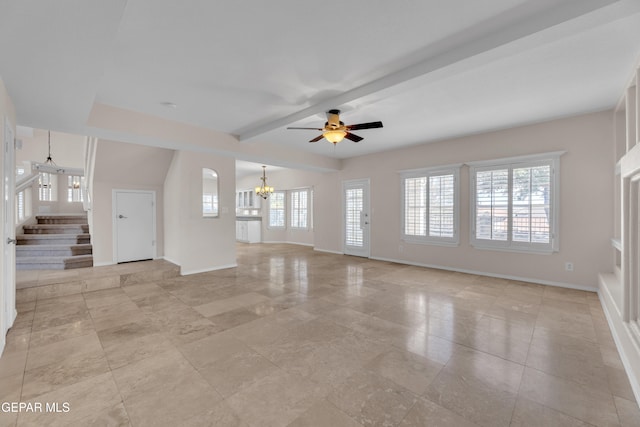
pixel 7 290
pixel 194 242
pixel 172 211
pixel 586 206
pixel 66 149
pixel 122 166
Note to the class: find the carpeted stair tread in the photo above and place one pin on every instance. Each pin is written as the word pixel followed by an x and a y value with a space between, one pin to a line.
pixel 53 239
pixel 54 262
pixel 56 228
pixel 56 242
pixel 62 219
pixel 54 250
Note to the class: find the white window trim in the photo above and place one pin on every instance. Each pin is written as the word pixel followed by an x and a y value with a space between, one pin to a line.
pixel 49 193
pixel 79 189
pixel 310 208
pixel 553 158
pixel 290 195
pixel 453 169
pixel 277 227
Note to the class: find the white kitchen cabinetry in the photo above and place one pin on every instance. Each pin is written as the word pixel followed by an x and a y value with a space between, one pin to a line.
pixel 247 199
pixel 248 230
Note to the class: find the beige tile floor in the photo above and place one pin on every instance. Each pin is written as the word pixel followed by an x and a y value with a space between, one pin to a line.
pixel 294 337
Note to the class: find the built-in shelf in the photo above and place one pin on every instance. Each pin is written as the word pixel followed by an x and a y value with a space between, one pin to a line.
pixel 620 287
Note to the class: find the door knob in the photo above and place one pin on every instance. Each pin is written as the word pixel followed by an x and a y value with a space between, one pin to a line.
pixel 10 240
pixel 121 216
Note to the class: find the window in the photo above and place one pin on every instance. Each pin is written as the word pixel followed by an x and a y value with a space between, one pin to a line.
pixel 46 185
pixel 299 208
pixel 74 188
pixel 353 209
pixel 209 204
pixel 515 203
pixel 276 209
pixel 430 205
pixel 311 209
pixel 209 193
pixel 20 207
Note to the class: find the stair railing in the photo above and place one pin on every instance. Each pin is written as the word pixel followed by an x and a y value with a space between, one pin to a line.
pixel 26 181
pixel 90 149
pixel 91 146
pixel 25 186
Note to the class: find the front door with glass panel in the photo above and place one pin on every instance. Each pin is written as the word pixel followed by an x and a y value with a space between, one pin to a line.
pixel 356 218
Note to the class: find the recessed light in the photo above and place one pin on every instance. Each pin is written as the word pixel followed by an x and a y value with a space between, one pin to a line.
pixel 169 104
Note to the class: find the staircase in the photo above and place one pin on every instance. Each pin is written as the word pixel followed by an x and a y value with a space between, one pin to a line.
pixel 56 242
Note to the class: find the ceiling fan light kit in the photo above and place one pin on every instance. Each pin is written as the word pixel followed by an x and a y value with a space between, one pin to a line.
pixel 334 136
pixel 335 131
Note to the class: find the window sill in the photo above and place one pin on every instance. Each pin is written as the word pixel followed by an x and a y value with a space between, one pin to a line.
pixel 429 242
pixel 522 250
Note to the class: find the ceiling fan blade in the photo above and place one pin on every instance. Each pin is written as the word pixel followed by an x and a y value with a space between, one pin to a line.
pixel 353 137
pixel 307 128
pixel 370 125
pixel 317 138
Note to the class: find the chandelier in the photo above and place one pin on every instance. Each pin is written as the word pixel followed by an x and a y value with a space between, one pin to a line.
pixel 49 160
pixel 264 190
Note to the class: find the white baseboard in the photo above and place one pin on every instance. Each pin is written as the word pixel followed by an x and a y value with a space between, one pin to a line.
pixel 103 264
pixel 625 343
pixel 170 260
pixel 309 245
pixel 328 251
pixel 484 273
pixel 287 242
pixel 205 270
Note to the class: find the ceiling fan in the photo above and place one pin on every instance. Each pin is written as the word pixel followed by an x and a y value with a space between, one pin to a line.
pixel 335 131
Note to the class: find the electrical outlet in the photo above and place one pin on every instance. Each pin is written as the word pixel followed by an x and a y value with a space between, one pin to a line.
pixel 401 248
pixel 568 266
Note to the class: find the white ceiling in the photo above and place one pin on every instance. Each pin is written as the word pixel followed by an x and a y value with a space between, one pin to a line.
pixel 428 70
pixel 244 168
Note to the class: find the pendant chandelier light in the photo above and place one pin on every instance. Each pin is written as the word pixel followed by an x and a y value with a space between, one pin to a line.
pixel 49 160
pixel 264 190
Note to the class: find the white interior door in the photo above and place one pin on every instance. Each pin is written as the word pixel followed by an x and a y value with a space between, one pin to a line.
pixel 356 218
pixel 134 225
pixel 8 291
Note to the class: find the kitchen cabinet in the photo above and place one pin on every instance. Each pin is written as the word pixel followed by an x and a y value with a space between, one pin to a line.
pixel 247 199
pixel 248 229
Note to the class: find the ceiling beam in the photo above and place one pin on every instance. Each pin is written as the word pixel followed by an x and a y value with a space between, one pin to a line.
pixel 117 124
pixel 524 20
